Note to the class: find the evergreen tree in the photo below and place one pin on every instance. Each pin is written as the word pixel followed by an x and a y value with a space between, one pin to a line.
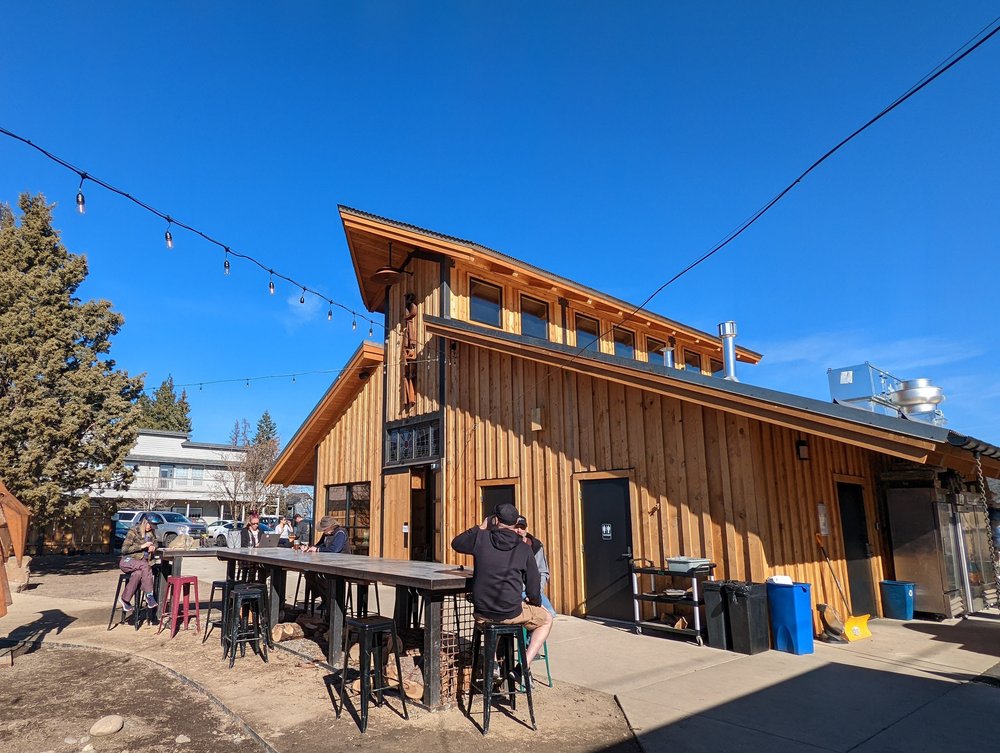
pixel 165 411
pixel 267 430
pixel 67 415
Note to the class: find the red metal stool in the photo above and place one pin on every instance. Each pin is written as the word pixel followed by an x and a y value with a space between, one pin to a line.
pixel 178 589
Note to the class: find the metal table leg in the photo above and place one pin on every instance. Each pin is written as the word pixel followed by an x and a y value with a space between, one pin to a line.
pixel 432 648
pixel 335 608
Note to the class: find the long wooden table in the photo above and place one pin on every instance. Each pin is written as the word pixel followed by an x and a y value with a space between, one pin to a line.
pixel 432 580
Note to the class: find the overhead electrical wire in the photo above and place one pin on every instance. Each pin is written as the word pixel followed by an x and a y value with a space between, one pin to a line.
pixel 228 251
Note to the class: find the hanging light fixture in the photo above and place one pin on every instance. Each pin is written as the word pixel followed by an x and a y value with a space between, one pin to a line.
pixel 81 201
pixel 371 330
pixel 225 265
pixel 302 298
pixel 329 313
pixel 388 274
pixel 167 236
pixel 270 284
pixel 354 322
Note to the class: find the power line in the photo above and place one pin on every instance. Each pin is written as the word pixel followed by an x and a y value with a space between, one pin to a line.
pixel 81 204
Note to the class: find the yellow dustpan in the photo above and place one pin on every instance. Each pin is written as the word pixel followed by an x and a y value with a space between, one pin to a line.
pixel 855 626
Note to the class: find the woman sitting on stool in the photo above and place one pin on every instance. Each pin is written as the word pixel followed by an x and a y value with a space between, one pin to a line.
pixel 137 555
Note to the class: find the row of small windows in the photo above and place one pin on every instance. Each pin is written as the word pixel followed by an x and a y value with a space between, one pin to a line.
pixel 486 307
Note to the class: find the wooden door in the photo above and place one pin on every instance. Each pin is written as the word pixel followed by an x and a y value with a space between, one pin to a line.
pixel 396 515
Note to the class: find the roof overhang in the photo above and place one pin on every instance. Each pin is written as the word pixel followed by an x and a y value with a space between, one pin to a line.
pixel 909 440
pixel 368 238
pixel 297 462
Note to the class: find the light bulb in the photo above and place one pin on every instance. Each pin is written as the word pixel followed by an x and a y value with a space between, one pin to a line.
pixel 81 202
pixel 371 330
pixel 225 266
pixel 329 314
pixel 169 239
pixel 354 324
pixel 270 287
pixel 302 298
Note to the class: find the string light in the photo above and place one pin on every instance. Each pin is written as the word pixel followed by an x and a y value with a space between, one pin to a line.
pixel 371 331
pixel 302 298
pixel 354 324
pixel 81 201
pixel 329 313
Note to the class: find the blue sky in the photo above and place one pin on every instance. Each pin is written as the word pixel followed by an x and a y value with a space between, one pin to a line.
pixel 610 143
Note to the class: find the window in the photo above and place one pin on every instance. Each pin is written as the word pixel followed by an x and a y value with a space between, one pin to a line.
pixel 657 351
pixel 716 367
pixel 534 318
pixel 350 506
pixel 494 495
pixel 692 361
pixel 485 302
pixel 405 444
pixel 166 475
pixel 588 333
pixel 624 343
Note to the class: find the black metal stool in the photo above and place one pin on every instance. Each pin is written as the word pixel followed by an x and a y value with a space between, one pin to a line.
pixel 370 631
pixel 487 638
pixel 245 601
pixel 223 586
pixel 308 597
pixel 362 609
pixel 139 603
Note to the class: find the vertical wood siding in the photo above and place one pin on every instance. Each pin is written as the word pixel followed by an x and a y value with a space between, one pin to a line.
pixel 706 483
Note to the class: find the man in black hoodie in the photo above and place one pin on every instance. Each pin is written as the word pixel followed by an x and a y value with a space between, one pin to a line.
pixel 504 569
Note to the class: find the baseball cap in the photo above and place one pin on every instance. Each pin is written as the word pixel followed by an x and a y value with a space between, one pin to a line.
pixel 506 513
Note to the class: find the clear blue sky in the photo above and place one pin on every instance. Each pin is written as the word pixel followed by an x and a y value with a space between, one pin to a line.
pixel 610 143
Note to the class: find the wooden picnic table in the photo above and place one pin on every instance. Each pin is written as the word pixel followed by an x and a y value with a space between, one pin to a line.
pixel 431 580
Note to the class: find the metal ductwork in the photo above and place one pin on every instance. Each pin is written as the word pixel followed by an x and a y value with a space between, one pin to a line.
pixel 727 332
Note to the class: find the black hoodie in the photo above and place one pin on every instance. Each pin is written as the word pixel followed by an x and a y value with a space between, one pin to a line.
pixel 504 569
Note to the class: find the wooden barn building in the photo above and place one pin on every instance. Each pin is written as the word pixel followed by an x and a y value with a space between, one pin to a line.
pixel 499 381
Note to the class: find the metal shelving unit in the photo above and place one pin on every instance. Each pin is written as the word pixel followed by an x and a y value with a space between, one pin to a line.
pixel 694 600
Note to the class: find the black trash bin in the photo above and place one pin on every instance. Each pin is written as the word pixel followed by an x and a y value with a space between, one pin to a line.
pixel 746 608
pixel 716 619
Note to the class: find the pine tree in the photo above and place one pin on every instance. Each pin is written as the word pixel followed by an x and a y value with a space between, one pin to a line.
pixel 67 415
pixel 165 411
pixel 267 430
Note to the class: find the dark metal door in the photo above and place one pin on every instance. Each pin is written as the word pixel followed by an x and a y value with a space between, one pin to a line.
pixel 607 545
pixel 857 548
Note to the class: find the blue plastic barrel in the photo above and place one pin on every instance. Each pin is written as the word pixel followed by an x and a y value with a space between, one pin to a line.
pixel 897 599
pixel 791 617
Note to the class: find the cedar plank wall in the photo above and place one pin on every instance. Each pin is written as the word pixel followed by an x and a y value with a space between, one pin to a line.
pixel 708 483
pixel 425 284
pixel 352 451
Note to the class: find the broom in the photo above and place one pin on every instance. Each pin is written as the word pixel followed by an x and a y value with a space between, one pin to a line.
pixel 856 626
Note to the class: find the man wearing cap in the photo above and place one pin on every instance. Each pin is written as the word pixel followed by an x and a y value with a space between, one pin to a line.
pixel 504 570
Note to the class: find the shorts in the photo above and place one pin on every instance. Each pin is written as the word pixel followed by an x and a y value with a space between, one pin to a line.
pixel 531 618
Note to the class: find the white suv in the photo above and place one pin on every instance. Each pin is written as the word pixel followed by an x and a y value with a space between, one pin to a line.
pixel 169 525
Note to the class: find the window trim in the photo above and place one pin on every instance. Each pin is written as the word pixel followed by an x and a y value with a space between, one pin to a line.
pixel 500 309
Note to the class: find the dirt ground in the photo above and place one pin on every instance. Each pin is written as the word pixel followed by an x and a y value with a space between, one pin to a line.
pixel 53 694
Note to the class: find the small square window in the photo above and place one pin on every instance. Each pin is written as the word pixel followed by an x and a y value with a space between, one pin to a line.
pixel 624 343
pixel 534 318
pixel 657 351
pixel 588 333
pixel 692 361
pixel 485 302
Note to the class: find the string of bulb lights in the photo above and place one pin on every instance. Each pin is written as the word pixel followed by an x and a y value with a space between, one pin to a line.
pixel 431 356
pixel 168 237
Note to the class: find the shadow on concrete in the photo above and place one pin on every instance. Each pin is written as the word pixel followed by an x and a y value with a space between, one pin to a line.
pixel 27 638
pixel 83 564
pixel 836 707
pixel 977 634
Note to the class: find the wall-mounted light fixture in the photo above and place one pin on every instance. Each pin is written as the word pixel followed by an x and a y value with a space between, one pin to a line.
pixel 802 449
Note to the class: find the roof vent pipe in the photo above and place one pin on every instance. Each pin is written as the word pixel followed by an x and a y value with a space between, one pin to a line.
pixel 727 331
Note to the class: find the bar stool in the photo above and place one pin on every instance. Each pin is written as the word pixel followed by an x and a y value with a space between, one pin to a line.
pixel 308 597
pixel 178 589
pixel 245 602
pixel 370 631
pixel 223 587
pixel 138 603
pixel 543 654
pixel 486 639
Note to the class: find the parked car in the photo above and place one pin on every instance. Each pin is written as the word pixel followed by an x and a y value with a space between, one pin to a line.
pixel 169 525
pixel 220 532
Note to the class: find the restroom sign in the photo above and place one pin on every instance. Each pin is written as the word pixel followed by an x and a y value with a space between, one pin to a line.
pixel 606 531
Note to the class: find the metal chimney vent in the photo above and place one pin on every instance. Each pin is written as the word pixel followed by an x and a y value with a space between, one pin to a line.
pixel 727 331
pixel 870 388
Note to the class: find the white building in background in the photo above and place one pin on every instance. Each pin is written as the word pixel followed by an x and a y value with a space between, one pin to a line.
pixel 173 473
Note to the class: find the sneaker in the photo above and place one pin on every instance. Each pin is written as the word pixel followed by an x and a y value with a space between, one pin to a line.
pixel 126 607
pixel 150 601
pixel 520 677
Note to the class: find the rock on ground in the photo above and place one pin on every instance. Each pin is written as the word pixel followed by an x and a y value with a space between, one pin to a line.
pixel 107 725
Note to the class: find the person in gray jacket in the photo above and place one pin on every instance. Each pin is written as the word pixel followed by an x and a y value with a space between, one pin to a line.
pixel 538 549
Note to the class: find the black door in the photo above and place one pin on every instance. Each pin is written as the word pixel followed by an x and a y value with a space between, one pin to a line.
pixel 607 544
pixel 857 549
